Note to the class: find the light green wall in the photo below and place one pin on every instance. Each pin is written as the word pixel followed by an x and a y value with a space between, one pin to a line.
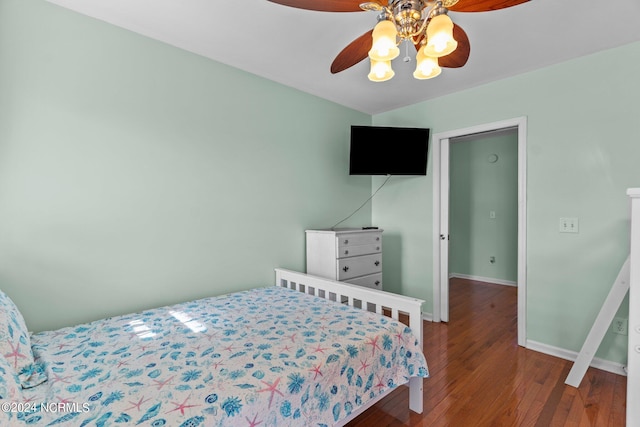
pixel 582 155
pixel 134 174
pixel 476 188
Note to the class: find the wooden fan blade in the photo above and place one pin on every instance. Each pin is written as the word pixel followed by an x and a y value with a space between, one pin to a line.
pixel 458 57
pixel 355 52
pixel 484 5
pixel 326 5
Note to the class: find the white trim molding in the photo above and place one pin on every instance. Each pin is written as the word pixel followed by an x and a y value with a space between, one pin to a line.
pixel 483 279
pixel 633 352
pixel 440 168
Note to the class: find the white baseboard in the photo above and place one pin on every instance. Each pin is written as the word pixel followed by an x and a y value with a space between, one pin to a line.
pixel 562 353
pixel 483 279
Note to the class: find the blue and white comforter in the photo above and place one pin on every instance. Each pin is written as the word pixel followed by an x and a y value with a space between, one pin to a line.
pixel 264 357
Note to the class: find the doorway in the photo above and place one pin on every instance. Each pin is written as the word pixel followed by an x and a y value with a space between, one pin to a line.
pixel 441 158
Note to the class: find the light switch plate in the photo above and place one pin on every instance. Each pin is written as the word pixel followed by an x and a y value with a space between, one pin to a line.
pixel 569 225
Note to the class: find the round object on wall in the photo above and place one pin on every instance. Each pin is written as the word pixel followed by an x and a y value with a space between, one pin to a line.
pixel 492 158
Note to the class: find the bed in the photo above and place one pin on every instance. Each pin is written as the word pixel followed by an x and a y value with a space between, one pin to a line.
pixel 281 355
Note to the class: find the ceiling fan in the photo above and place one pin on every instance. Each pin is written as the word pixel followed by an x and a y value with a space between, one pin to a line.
pixel 424 23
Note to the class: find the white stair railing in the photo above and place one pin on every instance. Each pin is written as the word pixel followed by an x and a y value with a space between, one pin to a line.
pixel 628 280
pixel 633 363
pixel 600 326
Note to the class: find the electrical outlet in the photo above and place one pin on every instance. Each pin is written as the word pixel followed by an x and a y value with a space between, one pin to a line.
pixel 619 325
pixel 569 225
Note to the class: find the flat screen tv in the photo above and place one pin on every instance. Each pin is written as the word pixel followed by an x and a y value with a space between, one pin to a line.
pixel 377 150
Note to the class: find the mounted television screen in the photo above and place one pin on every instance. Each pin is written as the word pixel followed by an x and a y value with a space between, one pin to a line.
pixel 388 150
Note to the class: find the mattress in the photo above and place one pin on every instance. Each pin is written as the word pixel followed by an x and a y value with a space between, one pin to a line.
pixel 268 357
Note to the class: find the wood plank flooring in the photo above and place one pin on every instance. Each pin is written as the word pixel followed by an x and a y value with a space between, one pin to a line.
pixel 481 377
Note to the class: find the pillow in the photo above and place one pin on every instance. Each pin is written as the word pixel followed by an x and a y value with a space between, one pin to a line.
pixel 15 345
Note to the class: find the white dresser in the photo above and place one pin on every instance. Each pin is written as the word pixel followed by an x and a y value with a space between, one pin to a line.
pixel 351 255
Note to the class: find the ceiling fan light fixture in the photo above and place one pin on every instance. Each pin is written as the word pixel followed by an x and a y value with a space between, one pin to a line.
pixel 416 21
pixel 426 66
pixel 384 47
pixel 381 71
pixel 440 41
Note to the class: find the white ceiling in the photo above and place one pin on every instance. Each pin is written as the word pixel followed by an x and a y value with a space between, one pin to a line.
pixel 296 47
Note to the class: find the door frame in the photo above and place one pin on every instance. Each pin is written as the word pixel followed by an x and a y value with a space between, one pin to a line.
pixel 440 144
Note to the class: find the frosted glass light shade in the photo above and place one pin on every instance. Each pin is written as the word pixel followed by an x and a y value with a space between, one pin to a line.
pixel 380 71
pixel 440 41
pixel 426 66
pixel 384 47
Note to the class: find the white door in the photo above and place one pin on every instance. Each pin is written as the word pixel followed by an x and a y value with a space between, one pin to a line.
pixel 440 144
pixel 444 230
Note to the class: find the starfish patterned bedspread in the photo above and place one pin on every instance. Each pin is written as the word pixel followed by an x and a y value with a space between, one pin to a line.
pixel 264 357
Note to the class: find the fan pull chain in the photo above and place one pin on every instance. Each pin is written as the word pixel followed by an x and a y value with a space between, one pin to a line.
pixel 406 58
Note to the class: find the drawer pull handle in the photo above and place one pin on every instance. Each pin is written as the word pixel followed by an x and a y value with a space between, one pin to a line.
pixel 346 241
pixel 345 268
pixel 377 263
pixel 377 239
pixel 377 282
pixel 377 248
pixel 346 252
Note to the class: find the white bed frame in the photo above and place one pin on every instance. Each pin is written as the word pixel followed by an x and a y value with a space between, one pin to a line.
pixel 381 302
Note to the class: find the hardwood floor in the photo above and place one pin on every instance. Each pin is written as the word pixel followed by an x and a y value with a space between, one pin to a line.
pixel 481 377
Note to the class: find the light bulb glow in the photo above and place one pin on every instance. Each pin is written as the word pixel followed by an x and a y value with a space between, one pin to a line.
pixel 380 71
pixel 384 46
pixel 426 66
pixel 440 41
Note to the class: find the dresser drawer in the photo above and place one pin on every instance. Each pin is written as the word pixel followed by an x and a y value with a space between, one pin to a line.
pixel 357 239
pixel 371 281
pixel 347 251
pixel 359 266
